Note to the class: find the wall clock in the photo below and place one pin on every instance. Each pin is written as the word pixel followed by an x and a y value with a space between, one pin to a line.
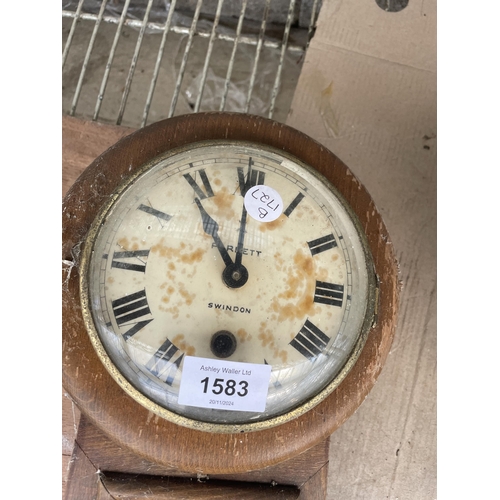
pixel 233 287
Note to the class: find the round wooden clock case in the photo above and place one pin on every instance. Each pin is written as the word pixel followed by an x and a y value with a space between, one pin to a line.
pixel 130 424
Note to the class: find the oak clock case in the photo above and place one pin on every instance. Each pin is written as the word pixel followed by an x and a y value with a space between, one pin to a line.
pixel 196 232
pixel 215 238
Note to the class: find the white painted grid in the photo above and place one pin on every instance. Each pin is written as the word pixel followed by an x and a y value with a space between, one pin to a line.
pixel 282 40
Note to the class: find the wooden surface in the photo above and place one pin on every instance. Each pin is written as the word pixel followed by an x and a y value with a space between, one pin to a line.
pixel 107 455
pixel 131 425
pixel 82 143
pixel 159 488
pixel 97 459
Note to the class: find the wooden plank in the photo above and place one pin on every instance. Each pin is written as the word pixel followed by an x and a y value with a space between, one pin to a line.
pixel 83 478
pixel 100 471
pixel 82 143
pixel 109 456
pixel 134 487
pixel 316 487
pixel 66 465
pixel 70 421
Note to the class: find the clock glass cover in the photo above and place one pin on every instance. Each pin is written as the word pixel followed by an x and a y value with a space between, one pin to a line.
pixel 232 252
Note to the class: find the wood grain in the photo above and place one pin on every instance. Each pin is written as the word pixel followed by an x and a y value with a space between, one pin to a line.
pixel 82 143
pixel 107 455
pixel 83 477
pixel 129 424
pixel 96 460
pixel 159 488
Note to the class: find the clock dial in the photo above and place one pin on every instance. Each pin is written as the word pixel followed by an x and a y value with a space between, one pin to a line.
pixel 227 251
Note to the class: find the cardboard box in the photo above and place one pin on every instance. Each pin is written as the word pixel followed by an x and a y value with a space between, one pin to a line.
pixel 367 91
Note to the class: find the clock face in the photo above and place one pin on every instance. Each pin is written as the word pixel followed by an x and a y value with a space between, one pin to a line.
pixel 227 284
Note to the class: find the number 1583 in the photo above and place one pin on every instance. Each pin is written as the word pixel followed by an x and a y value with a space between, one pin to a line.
pixel 228 387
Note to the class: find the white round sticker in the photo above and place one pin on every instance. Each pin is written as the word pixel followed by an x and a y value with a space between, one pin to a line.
pixel 263 203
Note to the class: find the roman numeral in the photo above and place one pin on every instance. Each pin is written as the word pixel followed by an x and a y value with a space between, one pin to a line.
pixel 310 341
pixel 197 189
pixel 135 328
pixel 153 211
pixel 253 178
pixel 322 244
pixel 329 293
pixel 162 366
pixel 135 255
pixel 293 205
pixel 130 307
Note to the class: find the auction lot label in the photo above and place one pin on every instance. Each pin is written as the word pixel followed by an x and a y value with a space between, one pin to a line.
pixel 225 385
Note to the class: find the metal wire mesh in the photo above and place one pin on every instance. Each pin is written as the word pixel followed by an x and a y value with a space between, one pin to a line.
pixel 136 62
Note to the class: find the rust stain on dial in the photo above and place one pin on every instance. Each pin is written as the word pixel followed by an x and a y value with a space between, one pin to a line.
pixel 275 224
pixel 268 340
pixel 243 335
pixel 181 343
pixel 297 299
pixel 223 200
pixel 182 254
pixel 128 245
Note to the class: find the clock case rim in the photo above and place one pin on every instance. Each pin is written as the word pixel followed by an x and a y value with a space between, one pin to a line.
pixel 175 447
pixel 172 416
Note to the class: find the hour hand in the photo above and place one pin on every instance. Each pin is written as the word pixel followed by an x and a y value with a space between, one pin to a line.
pixel 211 227
pixel 235 274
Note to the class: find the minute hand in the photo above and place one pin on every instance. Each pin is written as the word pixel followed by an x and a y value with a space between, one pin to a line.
pixel 241 236
pixel 211 227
